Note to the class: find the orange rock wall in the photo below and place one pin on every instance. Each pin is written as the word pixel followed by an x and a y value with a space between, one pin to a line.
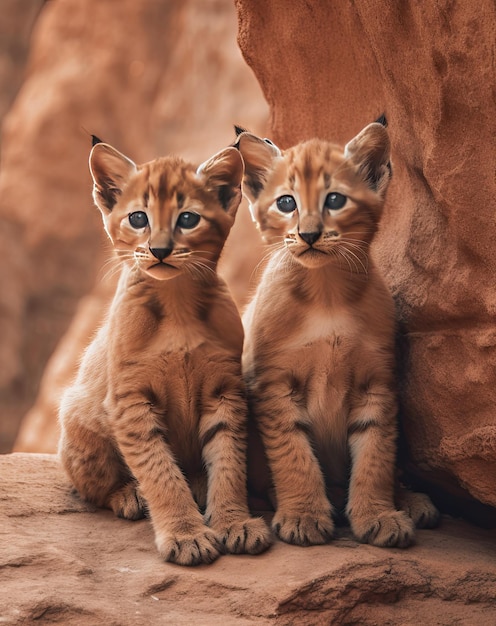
pixel 329 68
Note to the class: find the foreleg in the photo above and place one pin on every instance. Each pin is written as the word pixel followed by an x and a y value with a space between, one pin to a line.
pixel 223 438
pixel 304 514
pixel 372 442
pixel 180 532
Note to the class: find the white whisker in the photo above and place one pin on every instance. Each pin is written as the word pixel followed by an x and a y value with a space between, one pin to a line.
pixel 359 260
pixel 111 267
pixel 271 249
pixel 345 257
pixel 352 258
pixel 198 269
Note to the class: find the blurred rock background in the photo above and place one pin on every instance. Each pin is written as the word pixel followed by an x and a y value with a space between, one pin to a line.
pixel 154 77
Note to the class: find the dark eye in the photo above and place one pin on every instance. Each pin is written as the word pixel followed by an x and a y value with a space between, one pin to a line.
pixel 286 204
pixel 335 201
pixel 138 219
pixel 188 220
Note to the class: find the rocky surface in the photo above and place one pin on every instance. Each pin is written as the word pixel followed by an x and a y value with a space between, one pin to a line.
pixel 168 77
pixel 61 562
pixel 329 71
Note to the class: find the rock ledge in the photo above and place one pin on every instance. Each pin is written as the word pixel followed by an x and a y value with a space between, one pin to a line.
pixel 61 562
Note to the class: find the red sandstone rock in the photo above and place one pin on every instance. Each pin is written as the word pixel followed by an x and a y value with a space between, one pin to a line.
pixel 327 69
pixel 60 562
pixel 39 431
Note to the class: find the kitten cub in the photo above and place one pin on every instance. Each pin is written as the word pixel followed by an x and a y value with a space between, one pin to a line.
pixel 155 421
pixel 319 348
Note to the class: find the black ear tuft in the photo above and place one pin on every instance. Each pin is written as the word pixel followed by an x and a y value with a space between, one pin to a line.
pixel 95 140
pixel 239 129
pixel 382 120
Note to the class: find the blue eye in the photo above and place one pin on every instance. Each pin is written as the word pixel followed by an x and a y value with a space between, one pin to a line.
pixel 335 201
pixel 188 220
pixel 286 204
pixel 138 219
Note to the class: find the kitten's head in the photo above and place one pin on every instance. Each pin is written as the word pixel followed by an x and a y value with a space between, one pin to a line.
pixel 323 201
pixel 167 215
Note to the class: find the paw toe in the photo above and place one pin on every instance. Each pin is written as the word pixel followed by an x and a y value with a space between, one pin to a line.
pixel 392 529
pixel 201 548
pixel 304 530
pixel 250 536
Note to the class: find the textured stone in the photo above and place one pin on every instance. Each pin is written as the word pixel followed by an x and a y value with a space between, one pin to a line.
pixel 330 69
pixel 62 562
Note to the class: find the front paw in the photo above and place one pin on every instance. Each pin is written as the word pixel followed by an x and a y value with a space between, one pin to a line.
pixel 303 529
pixel 390 529
pixel 250 536
pixel 196 548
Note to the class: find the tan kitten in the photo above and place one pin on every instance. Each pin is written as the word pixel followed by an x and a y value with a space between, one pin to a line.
pixel 158 408
pixel 319 348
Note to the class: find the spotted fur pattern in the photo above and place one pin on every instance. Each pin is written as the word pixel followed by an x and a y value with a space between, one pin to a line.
pixel 155 422
pixel 318 357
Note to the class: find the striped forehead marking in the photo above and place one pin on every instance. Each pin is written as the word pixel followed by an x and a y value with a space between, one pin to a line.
pixel 313 162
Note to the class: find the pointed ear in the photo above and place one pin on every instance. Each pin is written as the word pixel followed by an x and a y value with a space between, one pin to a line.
pixel 223 174
pixel 258 155
pixel 111 171
pixel 370 151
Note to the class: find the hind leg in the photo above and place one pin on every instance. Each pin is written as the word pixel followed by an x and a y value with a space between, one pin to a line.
pixel 127 502
pixel 99 473
pixel 418 507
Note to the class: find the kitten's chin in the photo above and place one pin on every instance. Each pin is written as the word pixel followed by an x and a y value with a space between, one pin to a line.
pixel 312 258
pixel 162 271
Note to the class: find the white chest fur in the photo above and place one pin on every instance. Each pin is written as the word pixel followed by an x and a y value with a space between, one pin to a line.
pixel 329 326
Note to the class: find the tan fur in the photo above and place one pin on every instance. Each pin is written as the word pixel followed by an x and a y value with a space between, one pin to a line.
pixel 319 348
pixel 158 408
